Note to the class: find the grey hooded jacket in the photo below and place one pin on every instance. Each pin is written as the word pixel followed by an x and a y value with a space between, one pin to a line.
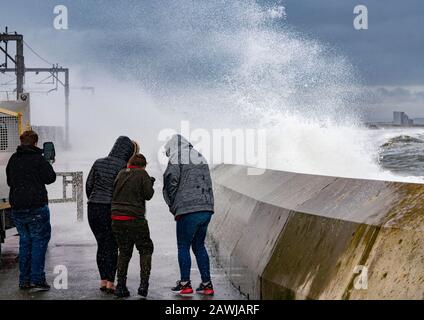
pixel 99 185
pixel 187 184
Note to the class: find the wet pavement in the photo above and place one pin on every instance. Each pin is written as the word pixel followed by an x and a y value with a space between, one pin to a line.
pixel 73 246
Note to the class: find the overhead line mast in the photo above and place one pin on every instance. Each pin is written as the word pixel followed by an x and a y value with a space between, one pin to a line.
pixel 20 70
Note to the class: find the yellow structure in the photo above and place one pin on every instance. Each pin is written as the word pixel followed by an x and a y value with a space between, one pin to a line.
pixel 18 115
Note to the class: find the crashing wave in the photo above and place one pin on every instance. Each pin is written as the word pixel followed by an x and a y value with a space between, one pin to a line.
pixel 402 139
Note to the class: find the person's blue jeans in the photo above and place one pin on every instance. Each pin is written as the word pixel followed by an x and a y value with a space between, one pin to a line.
pixel 191 232
pixel 34 230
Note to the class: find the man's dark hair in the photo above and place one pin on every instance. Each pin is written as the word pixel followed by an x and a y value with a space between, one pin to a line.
pixel 138 160
pixel 29 138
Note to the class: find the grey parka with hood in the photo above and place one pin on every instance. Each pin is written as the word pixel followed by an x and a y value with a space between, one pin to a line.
pixel 187 184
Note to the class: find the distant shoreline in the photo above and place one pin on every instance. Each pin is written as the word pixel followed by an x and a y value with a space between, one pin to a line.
pixel 378 125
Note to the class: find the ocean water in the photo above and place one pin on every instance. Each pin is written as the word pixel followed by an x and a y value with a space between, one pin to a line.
pixel 353 151
pixel 403 152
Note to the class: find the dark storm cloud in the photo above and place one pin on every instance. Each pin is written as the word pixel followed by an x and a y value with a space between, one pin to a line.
pixel 390 52
pixel 381 95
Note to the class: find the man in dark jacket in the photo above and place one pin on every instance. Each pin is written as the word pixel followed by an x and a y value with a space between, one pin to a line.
pixel 133 187
pixel 99 189
pixel 188 192
pixel 27 174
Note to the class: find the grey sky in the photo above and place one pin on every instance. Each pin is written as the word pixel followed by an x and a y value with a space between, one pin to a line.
pixel 388 54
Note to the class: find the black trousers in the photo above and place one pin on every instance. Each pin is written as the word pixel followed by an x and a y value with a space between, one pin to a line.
pixel 129 234
pixel 99 219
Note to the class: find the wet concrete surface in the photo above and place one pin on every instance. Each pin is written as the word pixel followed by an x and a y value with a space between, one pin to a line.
pixel 73 246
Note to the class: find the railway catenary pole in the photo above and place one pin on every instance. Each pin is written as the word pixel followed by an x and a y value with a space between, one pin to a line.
pixel 20 71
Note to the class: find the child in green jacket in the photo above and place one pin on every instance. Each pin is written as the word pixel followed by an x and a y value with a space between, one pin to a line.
pixel 133 187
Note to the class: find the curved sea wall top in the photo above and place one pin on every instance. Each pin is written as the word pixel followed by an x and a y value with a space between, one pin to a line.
pixel 284 235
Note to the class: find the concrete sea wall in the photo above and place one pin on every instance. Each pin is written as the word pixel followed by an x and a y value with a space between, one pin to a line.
pixel 283 235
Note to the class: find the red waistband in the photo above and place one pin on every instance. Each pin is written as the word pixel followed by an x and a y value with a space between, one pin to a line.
pixel 123 218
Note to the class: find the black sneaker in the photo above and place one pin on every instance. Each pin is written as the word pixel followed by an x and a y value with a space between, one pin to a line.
pixel 183 287
pixel 206 289
pixel 42 286
pixel 143 290
pixel 121 290
pixel 103 289
pixel 25 286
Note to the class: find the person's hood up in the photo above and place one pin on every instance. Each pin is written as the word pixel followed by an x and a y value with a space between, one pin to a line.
pixel 23 149
pixel 136 147
pixel 122 149
pixel 181 151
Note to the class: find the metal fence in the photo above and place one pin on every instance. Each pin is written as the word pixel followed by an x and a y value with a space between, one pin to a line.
pixel 9 133
pixel 75 179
